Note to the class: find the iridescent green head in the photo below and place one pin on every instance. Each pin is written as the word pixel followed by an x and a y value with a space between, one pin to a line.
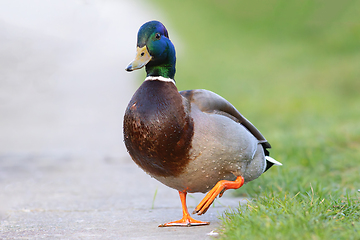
pixel 155 51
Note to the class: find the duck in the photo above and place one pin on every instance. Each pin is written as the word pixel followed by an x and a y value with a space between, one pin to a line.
pixel 192 140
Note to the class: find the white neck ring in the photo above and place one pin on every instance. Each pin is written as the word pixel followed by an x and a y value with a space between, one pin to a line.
pixel 159 78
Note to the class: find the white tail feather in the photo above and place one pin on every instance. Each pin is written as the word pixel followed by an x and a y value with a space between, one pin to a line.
pixel 270 159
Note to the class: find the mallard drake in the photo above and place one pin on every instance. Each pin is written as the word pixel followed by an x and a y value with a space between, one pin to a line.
pixel 192 141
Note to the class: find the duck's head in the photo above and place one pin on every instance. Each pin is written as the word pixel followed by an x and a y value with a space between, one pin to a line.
pixel 155 51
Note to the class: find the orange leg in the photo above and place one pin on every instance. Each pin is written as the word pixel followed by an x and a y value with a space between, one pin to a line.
pixel 219 189
pixel 186 220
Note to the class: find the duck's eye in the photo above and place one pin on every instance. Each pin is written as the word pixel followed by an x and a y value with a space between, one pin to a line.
pixel 158 36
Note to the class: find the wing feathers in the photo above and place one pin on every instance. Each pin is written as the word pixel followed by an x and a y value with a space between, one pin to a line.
pixel 208 101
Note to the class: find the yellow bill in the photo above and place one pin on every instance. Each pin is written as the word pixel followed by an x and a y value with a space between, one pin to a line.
pixel 141 59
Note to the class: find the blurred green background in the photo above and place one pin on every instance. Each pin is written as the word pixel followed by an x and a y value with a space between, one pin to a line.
pixel 290 67
pixel 293 69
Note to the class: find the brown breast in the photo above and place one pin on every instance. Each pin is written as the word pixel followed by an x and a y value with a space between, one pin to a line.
pixel 157 130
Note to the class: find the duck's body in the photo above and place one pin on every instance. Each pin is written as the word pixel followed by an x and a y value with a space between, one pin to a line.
pixel 163 138
pixel 192 141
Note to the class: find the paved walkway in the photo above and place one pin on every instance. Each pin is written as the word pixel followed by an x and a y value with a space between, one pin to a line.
pixel 92 199
pixel 64 171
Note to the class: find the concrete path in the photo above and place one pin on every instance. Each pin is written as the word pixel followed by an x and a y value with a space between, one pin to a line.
pixel 64 171
pixel 92 199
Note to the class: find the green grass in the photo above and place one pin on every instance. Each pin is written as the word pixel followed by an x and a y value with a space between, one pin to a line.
pixel 314 214
pixel 293 69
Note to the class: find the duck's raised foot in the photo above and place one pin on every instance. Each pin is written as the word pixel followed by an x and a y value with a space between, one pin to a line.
pixel 219 189
pixel 184 222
